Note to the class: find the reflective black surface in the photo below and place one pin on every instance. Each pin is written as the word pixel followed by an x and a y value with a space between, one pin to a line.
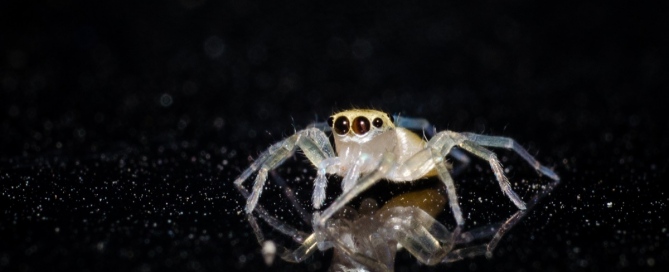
pixel 123 125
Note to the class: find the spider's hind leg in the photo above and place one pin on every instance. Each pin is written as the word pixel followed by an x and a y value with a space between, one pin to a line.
pixel 496 230
pixel 429 131
pixel 508 143
pixel 483 153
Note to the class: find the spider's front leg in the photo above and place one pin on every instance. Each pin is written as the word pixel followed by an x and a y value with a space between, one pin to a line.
pixel 313 142
pixel 385 165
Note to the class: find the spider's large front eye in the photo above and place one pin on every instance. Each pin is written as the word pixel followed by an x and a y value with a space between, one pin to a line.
pixel 341 125
pixel 360 125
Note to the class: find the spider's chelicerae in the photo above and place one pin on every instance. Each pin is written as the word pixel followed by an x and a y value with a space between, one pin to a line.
pixel 370 147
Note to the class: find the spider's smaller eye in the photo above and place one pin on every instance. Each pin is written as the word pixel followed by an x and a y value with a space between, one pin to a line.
pixel 341 125
pixel 360 125
pixel 377 122
pixel 330 121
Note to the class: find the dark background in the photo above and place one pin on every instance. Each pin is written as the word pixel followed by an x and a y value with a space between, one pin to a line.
pixel 123 125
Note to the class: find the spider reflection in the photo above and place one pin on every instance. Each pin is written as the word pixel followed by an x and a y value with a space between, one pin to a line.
pixel 368 238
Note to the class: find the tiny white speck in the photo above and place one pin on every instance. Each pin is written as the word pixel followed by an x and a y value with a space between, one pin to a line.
pixel 269 251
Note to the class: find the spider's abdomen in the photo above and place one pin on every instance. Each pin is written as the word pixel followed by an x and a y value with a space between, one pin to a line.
pixel 408 144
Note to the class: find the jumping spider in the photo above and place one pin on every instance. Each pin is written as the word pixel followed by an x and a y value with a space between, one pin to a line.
pixel 370 147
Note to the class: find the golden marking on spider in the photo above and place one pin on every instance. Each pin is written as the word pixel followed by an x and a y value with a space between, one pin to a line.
pixel 370 147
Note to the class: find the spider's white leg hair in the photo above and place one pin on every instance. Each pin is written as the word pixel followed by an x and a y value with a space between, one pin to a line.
pixel 508 143
pixel 385 165
pixel 313 142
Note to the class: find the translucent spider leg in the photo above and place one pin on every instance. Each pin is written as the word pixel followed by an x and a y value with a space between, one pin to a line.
pixel 463 142
pixel 430 241
pixel 387 162
pixel 288 192
pixel 288 230
pixel 430 130
pixel 495 230
pixel 382 259
pixel 421 234
pixel 442 145
pixel 303 252
pixel 433 156
pixel 308 242
pixel 313 142
pixel 416 231
pixel 321 181
pixel 415 124
pixel 508 143
pixel 307 248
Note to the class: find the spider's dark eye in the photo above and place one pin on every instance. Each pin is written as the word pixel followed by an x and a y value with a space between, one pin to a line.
pixel 360 125
pixel 341 125
pixel 377 122
pixel 392 119
pixel 330 121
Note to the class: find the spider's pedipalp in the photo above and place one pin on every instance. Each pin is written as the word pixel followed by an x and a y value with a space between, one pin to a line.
pixel 366 181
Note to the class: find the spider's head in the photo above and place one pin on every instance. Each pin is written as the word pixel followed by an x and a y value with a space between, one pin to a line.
pixel 360 126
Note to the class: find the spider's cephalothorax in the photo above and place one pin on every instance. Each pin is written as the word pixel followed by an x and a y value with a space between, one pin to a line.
pixel 362 137
pixel 371 147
